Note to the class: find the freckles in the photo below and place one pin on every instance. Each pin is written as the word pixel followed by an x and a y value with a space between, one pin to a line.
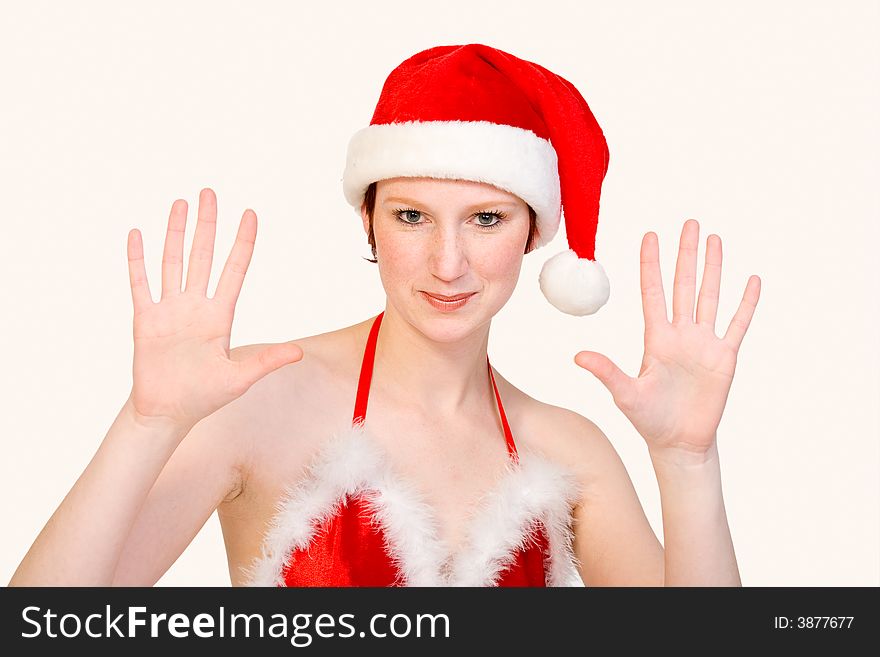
pixel 499 266
pixel 501 255
pixel 399 258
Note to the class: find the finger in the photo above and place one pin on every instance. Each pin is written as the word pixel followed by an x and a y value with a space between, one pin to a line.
pixel 653 297
pixel 199 270
pixel 137 273
pixel 685 283
pixel 172 256
pixel 232 277
pixel 743 316
pixel 611 376
pixel 267 360
pixel 707 305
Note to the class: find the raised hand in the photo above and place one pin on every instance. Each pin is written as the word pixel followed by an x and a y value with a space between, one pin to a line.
pixel 677 399
pixel 182 369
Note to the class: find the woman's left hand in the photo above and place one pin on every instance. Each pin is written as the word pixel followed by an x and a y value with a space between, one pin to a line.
pixel 677 399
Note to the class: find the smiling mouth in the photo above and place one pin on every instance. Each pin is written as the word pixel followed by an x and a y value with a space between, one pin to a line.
pixel 446 304
pixel 443 297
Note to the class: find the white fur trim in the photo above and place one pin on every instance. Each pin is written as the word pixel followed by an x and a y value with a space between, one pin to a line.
pixel 535 492
pixel 513 159
pixel 352 463
pixel 576 286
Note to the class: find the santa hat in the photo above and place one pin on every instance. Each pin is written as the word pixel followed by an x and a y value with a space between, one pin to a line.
pixel 473 112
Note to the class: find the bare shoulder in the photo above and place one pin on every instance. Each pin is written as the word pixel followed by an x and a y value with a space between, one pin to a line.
pixel 326 357
pixel 564 436
pixel 281 408
pixel 614 542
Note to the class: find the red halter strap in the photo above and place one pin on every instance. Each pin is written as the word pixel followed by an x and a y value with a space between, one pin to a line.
pixel 366 376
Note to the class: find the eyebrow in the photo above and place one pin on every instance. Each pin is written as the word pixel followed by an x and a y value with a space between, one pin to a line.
pixel 482 204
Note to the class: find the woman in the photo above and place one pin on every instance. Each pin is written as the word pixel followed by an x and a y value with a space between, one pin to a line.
pixel 456 477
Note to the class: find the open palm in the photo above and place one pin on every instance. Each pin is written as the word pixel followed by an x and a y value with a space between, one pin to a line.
pixel 679 395
pixel 182 369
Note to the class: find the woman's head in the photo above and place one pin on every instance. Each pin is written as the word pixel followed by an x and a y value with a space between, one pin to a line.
pixel 433 236
pixel 476 113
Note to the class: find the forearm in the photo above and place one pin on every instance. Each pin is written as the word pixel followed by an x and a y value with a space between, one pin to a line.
pixel 82 541
pixel 697 543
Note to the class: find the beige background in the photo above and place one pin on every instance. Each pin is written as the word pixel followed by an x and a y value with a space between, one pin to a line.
pixel 756 118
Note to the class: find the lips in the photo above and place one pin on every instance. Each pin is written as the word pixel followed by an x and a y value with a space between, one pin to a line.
pixel 445 303
pixel 443 297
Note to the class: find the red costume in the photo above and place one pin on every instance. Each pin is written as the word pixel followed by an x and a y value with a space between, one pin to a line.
pixel 354 522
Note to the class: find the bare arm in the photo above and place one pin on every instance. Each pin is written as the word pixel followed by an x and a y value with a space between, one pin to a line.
pixel 614 542
pixel 183 372
pixel 207 469
pixel 699 548
pixel 81 542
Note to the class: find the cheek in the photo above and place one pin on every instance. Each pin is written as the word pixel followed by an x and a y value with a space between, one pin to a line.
pixel 498 256
pixel 398 256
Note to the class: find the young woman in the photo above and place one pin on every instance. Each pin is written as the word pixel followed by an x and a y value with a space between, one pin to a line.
pixel 455 476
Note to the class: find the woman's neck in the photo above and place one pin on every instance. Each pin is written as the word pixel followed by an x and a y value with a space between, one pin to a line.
pixel 421 374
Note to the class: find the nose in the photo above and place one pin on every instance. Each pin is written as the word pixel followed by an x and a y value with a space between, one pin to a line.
pixel 448 258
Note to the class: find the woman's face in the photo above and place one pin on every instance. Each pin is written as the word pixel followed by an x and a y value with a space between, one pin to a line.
pixel 448 238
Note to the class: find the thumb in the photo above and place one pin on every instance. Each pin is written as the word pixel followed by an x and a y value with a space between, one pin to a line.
pixel 611 376
pixel 267 360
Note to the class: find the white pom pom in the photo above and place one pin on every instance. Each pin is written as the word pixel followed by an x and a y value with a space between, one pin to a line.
pixel 576 286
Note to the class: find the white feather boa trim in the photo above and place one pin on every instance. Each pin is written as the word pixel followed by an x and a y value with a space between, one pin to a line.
pixel 352 463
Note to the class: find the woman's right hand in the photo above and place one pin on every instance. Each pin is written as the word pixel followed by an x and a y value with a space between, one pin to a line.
pixel 182 371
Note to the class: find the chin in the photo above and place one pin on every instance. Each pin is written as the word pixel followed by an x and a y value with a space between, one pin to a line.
pixel 448 327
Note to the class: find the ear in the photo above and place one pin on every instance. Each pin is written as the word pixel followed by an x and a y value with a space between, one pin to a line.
pixel 365 219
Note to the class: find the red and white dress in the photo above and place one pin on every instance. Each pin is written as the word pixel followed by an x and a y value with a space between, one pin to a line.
pixel 353 521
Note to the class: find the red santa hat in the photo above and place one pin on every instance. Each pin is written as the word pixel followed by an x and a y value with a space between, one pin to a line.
pixel 473 112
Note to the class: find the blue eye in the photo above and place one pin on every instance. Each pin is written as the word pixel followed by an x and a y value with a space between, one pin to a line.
pixel 403 215
pixel 406 215
pixel 480 215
